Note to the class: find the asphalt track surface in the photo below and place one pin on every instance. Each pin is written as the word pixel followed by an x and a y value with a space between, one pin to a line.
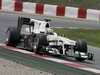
pixel 12 68
pixel 46 63
pixel 7 20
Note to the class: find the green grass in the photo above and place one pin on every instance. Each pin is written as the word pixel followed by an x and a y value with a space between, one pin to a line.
pixel 91 36
pixel 94 4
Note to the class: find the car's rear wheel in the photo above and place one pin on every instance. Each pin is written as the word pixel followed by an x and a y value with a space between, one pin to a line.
pixel 13 37
pixel 39 42
pixel 36 45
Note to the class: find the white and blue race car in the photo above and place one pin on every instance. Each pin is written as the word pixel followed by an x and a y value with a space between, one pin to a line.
pixel 38 37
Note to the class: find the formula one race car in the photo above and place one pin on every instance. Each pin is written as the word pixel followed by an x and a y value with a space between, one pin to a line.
pixel 36 36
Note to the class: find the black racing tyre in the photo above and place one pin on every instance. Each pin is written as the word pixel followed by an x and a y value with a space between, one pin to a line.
pixel 80 46
pixel 39 42
pixel 36 45
pixel 43 40
pixel 13 37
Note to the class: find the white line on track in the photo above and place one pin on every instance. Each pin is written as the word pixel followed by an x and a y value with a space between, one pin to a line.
pixel 90 69
pixel 15 49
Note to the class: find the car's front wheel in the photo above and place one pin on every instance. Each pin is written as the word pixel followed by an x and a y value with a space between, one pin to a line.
pixel 80 47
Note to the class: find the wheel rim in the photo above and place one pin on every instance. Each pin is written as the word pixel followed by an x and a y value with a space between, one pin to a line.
pixel 8 35
pixel 35 45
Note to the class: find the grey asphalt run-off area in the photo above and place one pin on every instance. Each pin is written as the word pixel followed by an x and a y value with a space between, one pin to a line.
pixel 7 20
pixel 12 68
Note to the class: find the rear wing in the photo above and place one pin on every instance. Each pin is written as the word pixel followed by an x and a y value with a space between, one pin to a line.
pixel 37 24
pixel 22 21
